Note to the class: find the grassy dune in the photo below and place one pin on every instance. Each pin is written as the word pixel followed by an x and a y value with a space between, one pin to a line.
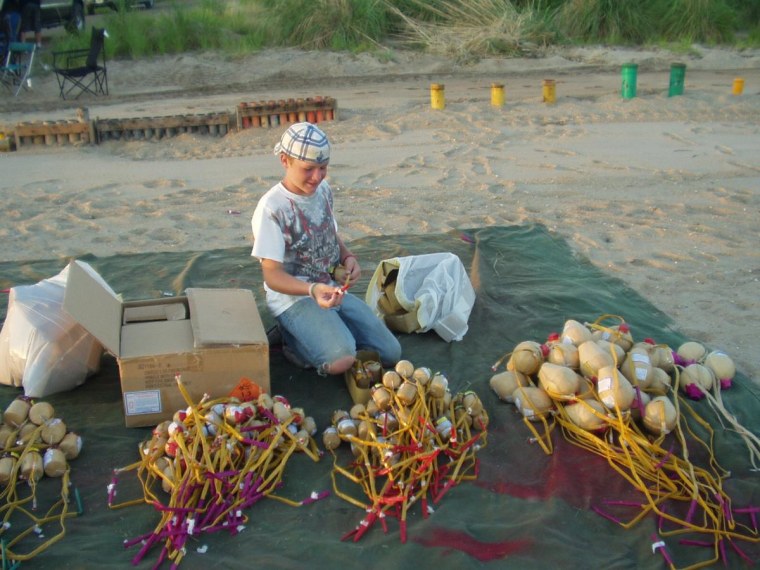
pixel 464 29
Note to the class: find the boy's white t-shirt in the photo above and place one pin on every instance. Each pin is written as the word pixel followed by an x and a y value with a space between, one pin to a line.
pixel 298 231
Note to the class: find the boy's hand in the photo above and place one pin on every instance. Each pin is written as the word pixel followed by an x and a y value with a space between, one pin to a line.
pixel 327 296
pixel 353 269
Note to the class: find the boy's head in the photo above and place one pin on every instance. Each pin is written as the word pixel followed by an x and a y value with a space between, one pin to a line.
pixel 304 141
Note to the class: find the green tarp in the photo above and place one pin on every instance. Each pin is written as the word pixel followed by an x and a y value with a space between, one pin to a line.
pixel 525 510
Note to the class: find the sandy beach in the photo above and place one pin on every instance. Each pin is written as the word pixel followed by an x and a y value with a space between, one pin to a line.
pixel 660 192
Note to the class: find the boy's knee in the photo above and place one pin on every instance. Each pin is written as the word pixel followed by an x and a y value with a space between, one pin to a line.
pixel 340 365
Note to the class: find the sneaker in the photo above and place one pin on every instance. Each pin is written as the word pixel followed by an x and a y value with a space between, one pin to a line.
pixel 275 340
pixel 293 358
pixel 274 336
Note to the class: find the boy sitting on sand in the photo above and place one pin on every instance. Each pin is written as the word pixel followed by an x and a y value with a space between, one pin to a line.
pixel 296 240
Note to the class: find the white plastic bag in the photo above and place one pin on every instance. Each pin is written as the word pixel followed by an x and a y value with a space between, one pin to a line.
pixel 435 286
pixel 42 348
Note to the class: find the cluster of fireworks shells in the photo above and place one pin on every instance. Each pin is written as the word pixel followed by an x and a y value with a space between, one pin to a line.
pixel 703 370
pixel 34 442
pixel 229 423
pixel 398 401
pixel 597 371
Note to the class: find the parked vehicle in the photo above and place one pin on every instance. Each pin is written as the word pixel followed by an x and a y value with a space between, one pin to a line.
pixel 116 4
pixel 67 13
pixel 55 13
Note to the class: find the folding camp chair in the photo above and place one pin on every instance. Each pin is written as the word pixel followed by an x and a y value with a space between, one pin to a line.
pixel 18 66
pixel 83 70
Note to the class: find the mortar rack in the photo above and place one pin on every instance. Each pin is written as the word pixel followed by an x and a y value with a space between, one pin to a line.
pixel 283 112
pixel 83 130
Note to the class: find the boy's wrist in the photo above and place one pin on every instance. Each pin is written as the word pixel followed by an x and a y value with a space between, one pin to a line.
pixel 312 286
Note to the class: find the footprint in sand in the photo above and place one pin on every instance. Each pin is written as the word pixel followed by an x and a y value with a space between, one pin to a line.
pixel 559 151
pixel 103 239
pixel 501 189
pixel 164 183
pixel 657 264
pixel 146 209
pixel 743 165
pixel 188 196
pixel 678 138
pixel 166 235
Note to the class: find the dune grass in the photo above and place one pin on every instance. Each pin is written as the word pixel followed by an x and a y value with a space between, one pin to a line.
pixel 468 30
pixel 464 29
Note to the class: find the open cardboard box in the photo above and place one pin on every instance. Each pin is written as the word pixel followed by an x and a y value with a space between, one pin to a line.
pixel 403 322
pixel 211 338
pixel 395 316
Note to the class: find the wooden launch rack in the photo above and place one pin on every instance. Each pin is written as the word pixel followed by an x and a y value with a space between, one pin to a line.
pixel 256 114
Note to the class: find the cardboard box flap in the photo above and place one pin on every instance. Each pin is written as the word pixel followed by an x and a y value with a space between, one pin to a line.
pixel 156 338
pixel 159 310
pixel 93 304
pixel 389 272
pixel 224 316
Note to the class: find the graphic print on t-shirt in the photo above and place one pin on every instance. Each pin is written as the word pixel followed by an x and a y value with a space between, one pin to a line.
pixel 311 242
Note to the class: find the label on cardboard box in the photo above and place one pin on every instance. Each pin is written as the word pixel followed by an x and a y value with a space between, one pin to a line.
pixel 142 402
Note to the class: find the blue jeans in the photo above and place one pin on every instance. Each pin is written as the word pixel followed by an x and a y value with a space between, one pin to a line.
pixel 318 337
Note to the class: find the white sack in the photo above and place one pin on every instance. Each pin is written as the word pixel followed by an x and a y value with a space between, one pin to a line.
pixel 437 286
pixel 42 348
